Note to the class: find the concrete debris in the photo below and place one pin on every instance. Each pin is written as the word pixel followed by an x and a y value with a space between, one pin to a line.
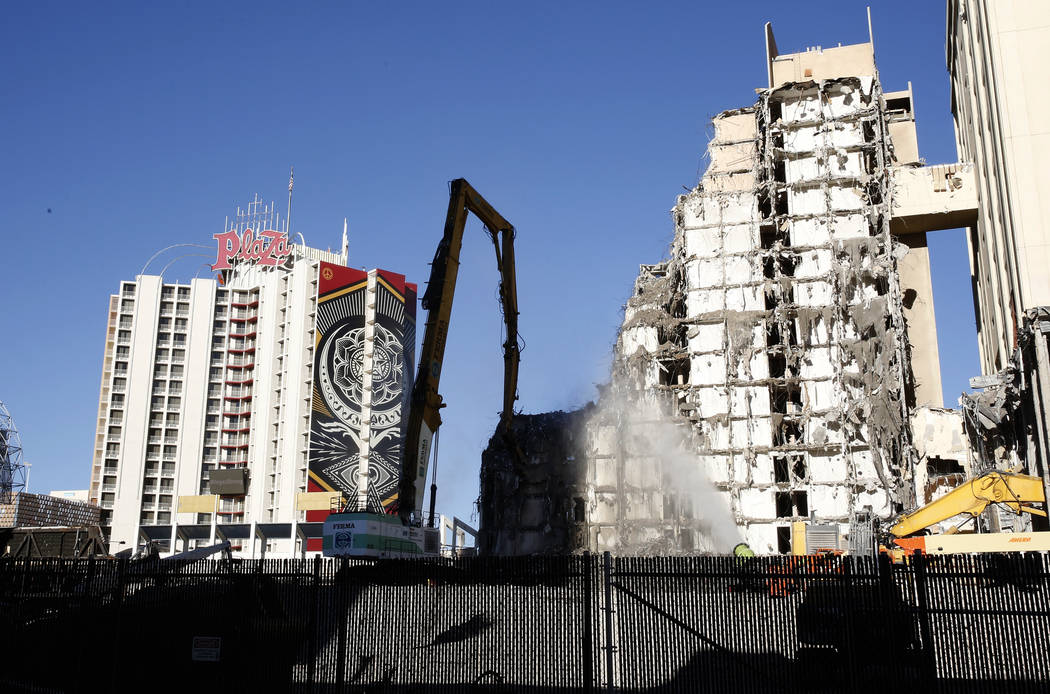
pixel 1006 421
pixel 944 458
pixel 537 511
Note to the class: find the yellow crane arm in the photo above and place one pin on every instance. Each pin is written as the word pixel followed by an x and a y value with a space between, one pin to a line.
pixel 1016 492
pixel 424 417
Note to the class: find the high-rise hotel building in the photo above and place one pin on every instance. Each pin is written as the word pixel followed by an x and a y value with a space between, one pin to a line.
pixel 285 374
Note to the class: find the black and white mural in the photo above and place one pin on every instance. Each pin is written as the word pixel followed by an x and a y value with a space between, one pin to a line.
pixel 340 398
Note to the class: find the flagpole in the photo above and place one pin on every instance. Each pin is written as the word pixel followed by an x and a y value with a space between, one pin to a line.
pixel 288 213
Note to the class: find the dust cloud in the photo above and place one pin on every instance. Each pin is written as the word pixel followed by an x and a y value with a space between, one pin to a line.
pixel 669 448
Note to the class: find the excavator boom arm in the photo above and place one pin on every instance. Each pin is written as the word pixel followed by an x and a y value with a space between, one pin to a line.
pixel 1013 490
pixel 424 417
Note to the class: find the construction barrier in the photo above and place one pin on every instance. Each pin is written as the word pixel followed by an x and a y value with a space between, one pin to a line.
pixel 536 624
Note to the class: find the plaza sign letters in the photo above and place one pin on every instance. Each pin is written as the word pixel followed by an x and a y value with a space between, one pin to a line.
pixel 268 248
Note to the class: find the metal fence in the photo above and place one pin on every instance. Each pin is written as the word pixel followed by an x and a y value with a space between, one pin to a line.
pixel 538 624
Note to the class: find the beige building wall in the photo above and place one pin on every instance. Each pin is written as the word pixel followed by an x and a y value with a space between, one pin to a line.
pixel 997 54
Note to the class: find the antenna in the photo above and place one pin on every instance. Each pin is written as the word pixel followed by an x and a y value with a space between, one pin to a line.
pixel 346 242
pixel 257 216
pixel 288 211
pixel 13 472
pixel 871 35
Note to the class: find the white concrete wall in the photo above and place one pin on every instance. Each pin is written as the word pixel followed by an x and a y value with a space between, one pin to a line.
pixel 127 505
pixel 194 394
pixel 997 56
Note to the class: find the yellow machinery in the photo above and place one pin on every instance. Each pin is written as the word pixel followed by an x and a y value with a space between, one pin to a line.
pixel 970 543
pixel 424 418
pixel 1015 491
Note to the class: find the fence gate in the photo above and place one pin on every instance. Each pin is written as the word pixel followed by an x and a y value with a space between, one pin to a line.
pixel 688 624
pixel 499 624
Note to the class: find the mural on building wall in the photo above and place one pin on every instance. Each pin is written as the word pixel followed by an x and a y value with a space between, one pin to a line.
pixel 392 369
pixel 340 400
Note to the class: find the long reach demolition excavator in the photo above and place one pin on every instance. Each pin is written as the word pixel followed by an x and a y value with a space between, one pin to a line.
pixel 369 532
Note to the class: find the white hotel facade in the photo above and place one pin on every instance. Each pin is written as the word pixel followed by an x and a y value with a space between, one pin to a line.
pixel 207 389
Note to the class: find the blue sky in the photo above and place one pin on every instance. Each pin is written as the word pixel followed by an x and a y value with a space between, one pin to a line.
pixel 132 126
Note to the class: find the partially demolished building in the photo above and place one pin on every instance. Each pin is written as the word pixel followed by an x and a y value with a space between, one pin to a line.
pixel 769 371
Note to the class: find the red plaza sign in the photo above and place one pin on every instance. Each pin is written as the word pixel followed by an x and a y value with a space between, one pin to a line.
pixel 268 248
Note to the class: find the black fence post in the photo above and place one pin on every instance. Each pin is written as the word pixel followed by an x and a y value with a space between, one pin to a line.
pixel 607 581
pixel 311 663
pixel 588 631
pixel 927 665
pixel 342 614
pixel 118 600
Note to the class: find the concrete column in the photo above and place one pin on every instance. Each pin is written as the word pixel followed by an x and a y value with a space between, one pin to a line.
pixel 917 286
